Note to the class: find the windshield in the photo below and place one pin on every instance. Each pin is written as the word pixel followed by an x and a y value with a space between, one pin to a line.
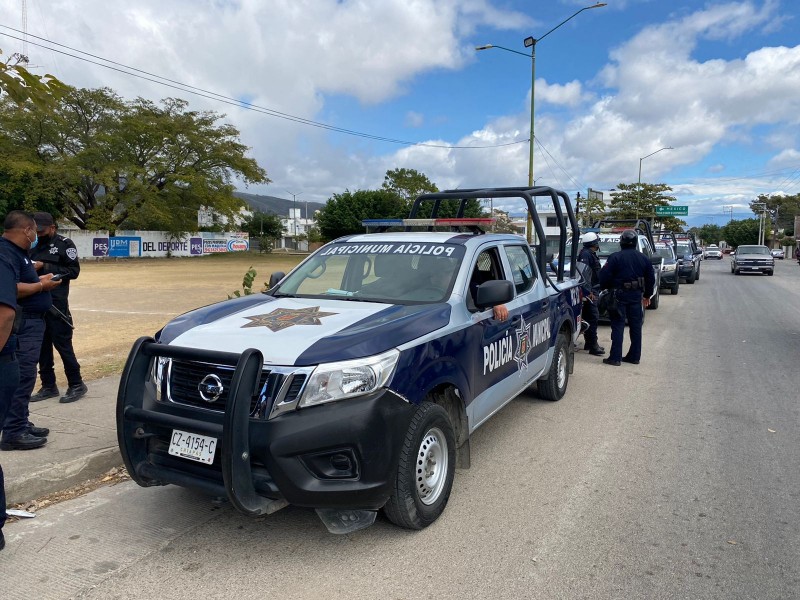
pixel 684 249
pixel 391 272
pixel 752 250
pixel 665 252
pixel 608 245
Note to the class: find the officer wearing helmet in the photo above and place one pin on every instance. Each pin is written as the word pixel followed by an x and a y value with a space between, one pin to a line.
pixel 630 277
pixel 590 313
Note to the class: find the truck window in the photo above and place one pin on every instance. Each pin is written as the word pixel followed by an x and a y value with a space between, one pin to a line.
pixel 522 271
pixel 487 268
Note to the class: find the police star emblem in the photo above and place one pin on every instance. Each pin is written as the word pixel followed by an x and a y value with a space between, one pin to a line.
pixel 523 345
pixel 282 318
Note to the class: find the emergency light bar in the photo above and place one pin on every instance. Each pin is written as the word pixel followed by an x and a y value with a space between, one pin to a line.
pixel 465 222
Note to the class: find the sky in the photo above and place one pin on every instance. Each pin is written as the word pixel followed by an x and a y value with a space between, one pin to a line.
pixel 717 81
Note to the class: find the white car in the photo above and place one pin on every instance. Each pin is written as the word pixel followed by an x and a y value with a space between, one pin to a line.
pixel 713 252
pixel 778 253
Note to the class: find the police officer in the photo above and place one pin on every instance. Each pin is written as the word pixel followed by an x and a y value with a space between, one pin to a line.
pixel 591 314
pixel 33 301
pixel 630 277
pixel 9 368
pixel 57 254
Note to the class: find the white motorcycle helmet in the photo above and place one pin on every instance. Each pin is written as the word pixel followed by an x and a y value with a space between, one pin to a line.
pixel 589 239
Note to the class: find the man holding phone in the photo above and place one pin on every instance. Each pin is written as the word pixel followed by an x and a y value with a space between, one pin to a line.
pixel 57 254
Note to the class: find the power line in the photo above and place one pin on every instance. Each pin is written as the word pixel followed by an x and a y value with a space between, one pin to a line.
pixel 211 95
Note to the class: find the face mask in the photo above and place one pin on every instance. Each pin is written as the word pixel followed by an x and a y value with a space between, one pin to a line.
pixel 34 243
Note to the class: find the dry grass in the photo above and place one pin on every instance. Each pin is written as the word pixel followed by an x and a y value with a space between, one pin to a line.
pixel 115 302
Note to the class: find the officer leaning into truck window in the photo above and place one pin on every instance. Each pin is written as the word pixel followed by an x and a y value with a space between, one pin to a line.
pixel 57 254
pixel 629 275
pixel 590 313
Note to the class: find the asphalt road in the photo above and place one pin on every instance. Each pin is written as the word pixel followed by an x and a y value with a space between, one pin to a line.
pixel 676 478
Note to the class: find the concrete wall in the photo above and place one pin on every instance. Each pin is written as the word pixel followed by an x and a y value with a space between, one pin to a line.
pixel 134 244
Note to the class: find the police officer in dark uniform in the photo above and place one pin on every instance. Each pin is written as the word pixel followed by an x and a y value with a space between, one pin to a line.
pixel 590 313
pixel 630 277
pixel 33 302
pixel 57 254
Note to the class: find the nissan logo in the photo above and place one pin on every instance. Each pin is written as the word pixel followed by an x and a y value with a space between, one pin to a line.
pixel 210 388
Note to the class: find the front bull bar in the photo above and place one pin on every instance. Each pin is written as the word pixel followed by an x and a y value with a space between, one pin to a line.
pixel 133 421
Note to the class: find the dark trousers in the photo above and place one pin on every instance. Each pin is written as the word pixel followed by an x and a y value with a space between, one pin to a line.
pixel 30 342
pixel 59 335
pixel 590 314
pixel 9 380
pixel 630 308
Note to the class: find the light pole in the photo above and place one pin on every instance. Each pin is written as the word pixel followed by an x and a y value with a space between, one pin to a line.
pixel 530 42
pixel 639 185
pixel 762 206
pixel 294 216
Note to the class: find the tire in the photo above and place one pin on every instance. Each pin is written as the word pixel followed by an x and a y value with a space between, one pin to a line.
pixel 655 301
pixel 697 277
pixel 674 290
pixel 691 278
pixel 420 496
pixel 770 273
pixel 555 386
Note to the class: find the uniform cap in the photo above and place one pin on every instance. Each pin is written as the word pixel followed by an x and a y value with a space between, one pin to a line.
pixel 43 220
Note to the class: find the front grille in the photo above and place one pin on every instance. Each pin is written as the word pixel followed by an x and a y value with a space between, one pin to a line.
pixel 184 379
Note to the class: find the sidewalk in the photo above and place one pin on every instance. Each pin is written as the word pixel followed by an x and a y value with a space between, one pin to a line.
pixel 82 444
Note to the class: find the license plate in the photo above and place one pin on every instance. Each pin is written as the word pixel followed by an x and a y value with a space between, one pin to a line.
pixel 199 448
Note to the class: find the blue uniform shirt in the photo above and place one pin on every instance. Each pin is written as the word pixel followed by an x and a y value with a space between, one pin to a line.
pixel 626 266
pixel 25 273
pixel 8 296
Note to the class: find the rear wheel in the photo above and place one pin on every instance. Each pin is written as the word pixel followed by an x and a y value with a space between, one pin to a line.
pixel 426 469
pixel 690 279
pixel 555 386
pixel 674 290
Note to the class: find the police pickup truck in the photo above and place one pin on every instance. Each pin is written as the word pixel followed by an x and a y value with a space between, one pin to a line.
pixel 355 382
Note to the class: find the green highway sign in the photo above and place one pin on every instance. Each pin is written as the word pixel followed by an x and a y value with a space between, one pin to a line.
pixel 672 211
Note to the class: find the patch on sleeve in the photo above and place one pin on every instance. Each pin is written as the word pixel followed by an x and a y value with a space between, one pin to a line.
pixel 72 253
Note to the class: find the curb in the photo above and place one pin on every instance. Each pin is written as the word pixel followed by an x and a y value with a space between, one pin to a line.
pixel 57 477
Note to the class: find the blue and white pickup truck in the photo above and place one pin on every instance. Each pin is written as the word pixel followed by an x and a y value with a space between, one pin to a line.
pixel 355 382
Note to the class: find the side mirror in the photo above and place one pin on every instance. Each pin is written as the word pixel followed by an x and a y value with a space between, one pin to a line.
pixel 698 252
pixel 492 293
pixel 549 257
pixel 275 278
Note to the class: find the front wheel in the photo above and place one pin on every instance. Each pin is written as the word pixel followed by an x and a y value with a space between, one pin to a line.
pixel 674 290
pixel 555 385
pixel 426 470
pixel 654 301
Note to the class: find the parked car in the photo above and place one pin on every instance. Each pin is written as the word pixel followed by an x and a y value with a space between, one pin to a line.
pixel 752 259
pixel 669 267
pixel 778 253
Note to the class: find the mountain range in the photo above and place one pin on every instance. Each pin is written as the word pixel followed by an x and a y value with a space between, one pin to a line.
pixel 278 206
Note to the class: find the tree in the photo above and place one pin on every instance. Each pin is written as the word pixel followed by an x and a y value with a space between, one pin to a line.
pixel 407 184
pixel 710 234
pixel 22 86
pixel 628 201
pixel 503 223
pixel 343 213
pixel 264 224
pixel 738 232
pixel 780 212
pixel 591 210
pixel 111 163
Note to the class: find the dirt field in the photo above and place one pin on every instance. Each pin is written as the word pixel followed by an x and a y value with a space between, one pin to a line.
pixel 115 302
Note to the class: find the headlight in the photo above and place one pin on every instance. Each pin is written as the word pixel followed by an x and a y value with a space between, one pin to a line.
pixel 346 379
pixel 668 268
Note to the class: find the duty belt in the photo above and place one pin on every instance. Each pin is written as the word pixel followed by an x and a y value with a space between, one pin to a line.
pixel 32 315
pixel 631 285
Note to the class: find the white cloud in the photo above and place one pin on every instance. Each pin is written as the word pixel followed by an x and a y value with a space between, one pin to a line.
pixel 414 119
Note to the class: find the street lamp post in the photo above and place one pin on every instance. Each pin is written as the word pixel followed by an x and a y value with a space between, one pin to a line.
pixel 530 42
pixel 294 216
pixel 639 185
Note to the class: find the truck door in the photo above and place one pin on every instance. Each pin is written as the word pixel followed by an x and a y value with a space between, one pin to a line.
pixel 501 366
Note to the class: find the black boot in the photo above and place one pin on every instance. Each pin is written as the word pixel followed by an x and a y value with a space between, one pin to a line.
pixel 44 393
pixel 597 350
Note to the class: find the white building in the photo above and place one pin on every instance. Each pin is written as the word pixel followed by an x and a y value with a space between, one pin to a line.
pixel 208 217
pixel 296 226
